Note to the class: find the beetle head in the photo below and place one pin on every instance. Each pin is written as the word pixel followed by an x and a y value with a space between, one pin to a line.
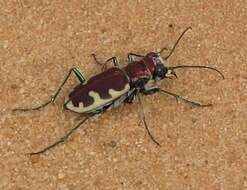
pixel 161 67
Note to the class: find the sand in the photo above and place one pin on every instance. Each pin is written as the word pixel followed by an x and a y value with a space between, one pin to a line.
pixel 201 148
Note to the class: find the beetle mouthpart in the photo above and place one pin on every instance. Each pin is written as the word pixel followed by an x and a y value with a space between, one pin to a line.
pixel 171 73
pixel 174 74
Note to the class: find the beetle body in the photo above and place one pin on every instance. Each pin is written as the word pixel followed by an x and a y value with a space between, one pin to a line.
pixel 116 85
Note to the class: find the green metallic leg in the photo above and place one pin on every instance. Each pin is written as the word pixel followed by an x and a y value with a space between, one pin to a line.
pixel 77 73
pixel 132 55
pixel 114 60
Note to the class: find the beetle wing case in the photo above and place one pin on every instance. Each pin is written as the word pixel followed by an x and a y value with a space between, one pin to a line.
pixel 101 90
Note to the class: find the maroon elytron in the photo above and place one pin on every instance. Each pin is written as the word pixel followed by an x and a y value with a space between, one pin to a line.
pixel 116 85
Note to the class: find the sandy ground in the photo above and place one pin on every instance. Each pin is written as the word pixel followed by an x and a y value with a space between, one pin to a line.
pixel 202 148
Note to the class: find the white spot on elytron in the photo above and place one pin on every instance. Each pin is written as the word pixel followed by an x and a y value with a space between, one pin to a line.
pixel 98 102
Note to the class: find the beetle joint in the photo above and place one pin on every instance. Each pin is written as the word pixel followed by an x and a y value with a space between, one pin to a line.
pixel 52 98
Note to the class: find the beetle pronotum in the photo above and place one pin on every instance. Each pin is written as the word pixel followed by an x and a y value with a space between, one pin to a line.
pixel 117 85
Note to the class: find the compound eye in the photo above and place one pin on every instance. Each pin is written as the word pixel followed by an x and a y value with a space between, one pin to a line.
pixel 160 72
pixel 156 61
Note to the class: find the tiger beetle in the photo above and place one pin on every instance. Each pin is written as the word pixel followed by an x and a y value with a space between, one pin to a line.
pixel 118 85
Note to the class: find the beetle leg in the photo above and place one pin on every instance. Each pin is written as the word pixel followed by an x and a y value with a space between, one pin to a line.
pixel 131 96
pixel 150 91
pixel 144 120
pixel 77 73
pixel 132 55
pixel 178 97
pixel 65 137
pixel 113 59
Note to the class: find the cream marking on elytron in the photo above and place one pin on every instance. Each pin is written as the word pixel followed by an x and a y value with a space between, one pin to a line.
pixel 98 102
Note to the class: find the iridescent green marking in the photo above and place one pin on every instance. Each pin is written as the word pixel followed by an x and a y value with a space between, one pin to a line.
pixel 77 72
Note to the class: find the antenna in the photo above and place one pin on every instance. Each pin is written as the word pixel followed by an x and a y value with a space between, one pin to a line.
pixel 175 45
pixel 198 66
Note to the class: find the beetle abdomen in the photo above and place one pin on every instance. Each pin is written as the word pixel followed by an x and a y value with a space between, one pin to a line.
pixel 100 90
